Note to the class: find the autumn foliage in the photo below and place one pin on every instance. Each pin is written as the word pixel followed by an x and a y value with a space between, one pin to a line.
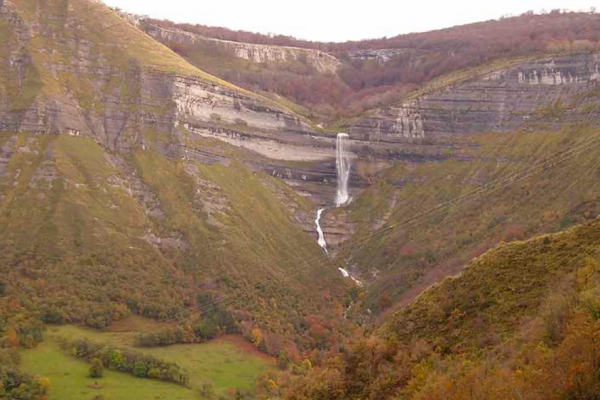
pixel 548 348
pixel 364 81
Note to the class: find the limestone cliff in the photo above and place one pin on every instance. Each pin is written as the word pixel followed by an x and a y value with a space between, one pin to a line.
pixel 499 100
pixel 129 98
pixel 257 53
pixel 381 56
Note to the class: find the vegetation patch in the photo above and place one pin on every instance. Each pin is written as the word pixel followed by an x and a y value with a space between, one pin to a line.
pixel 69 378
pixel 223 362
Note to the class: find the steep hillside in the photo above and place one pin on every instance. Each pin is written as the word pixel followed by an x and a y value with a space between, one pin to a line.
pixel 521 320
pixel 111 202
pixel 487 303
pixel 67 78
pixel 465 164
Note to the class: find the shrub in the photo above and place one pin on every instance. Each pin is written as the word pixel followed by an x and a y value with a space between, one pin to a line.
pixel 97 368
pixel 140 370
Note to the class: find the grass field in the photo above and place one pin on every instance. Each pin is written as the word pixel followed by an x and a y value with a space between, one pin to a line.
pixel 69 379
pixel 227 363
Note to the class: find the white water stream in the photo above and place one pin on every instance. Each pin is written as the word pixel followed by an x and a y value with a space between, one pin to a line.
pixel 346 274
pixel 321 240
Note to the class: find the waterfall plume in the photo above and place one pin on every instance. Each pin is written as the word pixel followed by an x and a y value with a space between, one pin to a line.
pixel 342 163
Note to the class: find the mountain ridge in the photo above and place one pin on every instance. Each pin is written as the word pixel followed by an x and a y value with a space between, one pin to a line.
pixel 367 81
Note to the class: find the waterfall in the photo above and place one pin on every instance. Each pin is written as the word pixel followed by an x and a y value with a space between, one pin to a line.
pixel 321 240
pixel 342 163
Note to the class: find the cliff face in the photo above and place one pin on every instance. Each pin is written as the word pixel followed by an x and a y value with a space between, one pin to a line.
pixel 498 101
pixel 91 92
pixel 381 56
pixel 122 107
pixel 86 93
pixel 255 53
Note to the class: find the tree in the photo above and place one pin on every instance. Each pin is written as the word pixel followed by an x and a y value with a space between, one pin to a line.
pixel 44 384
pixel 257 337
pixel 96 369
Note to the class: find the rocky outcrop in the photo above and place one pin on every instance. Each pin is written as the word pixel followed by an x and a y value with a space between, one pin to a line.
pixel 381 56
pixel 257 53
pixel 499 101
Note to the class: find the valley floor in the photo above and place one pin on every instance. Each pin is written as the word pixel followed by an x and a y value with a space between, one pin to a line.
pixel 228 363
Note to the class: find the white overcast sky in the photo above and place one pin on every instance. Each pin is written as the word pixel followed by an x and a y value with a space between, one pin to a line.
pixel 339 20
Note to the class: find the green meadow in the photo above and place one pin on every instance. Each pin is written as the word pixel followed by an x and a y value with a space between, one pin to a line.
pixel 227 363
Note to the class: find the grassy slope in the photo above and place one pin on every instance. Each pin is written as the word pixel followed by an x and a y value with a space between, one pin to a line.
pixel 81 256
pixel 500 290
pixel 258 248
pixel 80 231
pixel 439 243
pixel 111 36
pixel 75 27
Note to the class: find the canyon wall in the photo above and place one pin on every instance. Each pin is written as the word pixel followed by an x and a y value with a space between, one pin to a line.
pixel 497 101
pixel 126 107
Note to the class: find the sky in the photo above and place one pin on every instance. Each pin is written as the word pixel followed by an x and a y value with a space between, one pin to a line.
pixel 339 20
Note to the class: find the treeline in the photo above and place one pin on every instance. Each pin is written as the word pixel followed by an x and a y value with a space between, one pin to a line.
pixel 127 361
pixel 429 55
pixel 18 329
pixel 320 336
pixel 240 36
pixel 214 324
pixel 534 30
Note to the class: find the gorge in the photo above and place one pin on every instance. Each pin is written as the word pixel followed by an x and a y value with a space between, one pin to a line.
pixel 353 213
